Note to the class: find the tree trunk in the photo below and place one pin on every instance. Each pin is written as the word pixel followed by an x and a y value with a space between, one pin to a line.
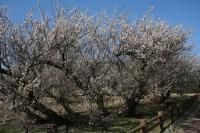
pixel 37 119
pixel 130 107
pixel 100 105
pixel 65 104
pixel 51 116
pixel 132 102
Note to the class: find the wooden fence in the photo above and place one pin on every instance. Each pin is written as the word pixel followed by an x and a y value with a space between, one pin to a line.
pixel 173 113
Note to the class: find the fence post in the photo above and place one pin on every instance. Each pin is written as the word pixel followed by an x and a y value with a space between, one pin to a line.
pixel 143 125
pixel 161 120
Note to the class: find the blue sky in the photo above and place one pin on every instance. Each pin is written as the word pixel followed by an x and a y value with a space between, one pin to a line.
pixel 182 12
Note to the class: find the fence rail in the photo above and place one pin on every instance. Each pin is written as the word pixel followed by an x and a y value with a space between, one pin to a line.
pixel 173 110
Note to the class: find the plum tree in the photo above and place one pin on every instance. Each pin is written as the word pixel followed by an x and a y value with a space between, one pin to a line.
pixel 48 64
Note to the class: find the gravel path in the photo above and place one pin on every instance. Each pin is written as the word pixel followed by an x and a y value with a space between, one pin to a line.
pixel 192 123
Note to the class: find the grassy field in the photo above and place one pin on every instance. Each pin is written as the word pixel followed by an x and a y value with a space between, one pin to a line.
pixel 146 110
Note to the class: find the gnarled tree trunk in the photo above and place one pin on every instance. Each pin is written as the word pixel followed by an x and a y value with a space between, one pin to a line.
pixel 132 102
pixel 130 106
pixel 100 105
